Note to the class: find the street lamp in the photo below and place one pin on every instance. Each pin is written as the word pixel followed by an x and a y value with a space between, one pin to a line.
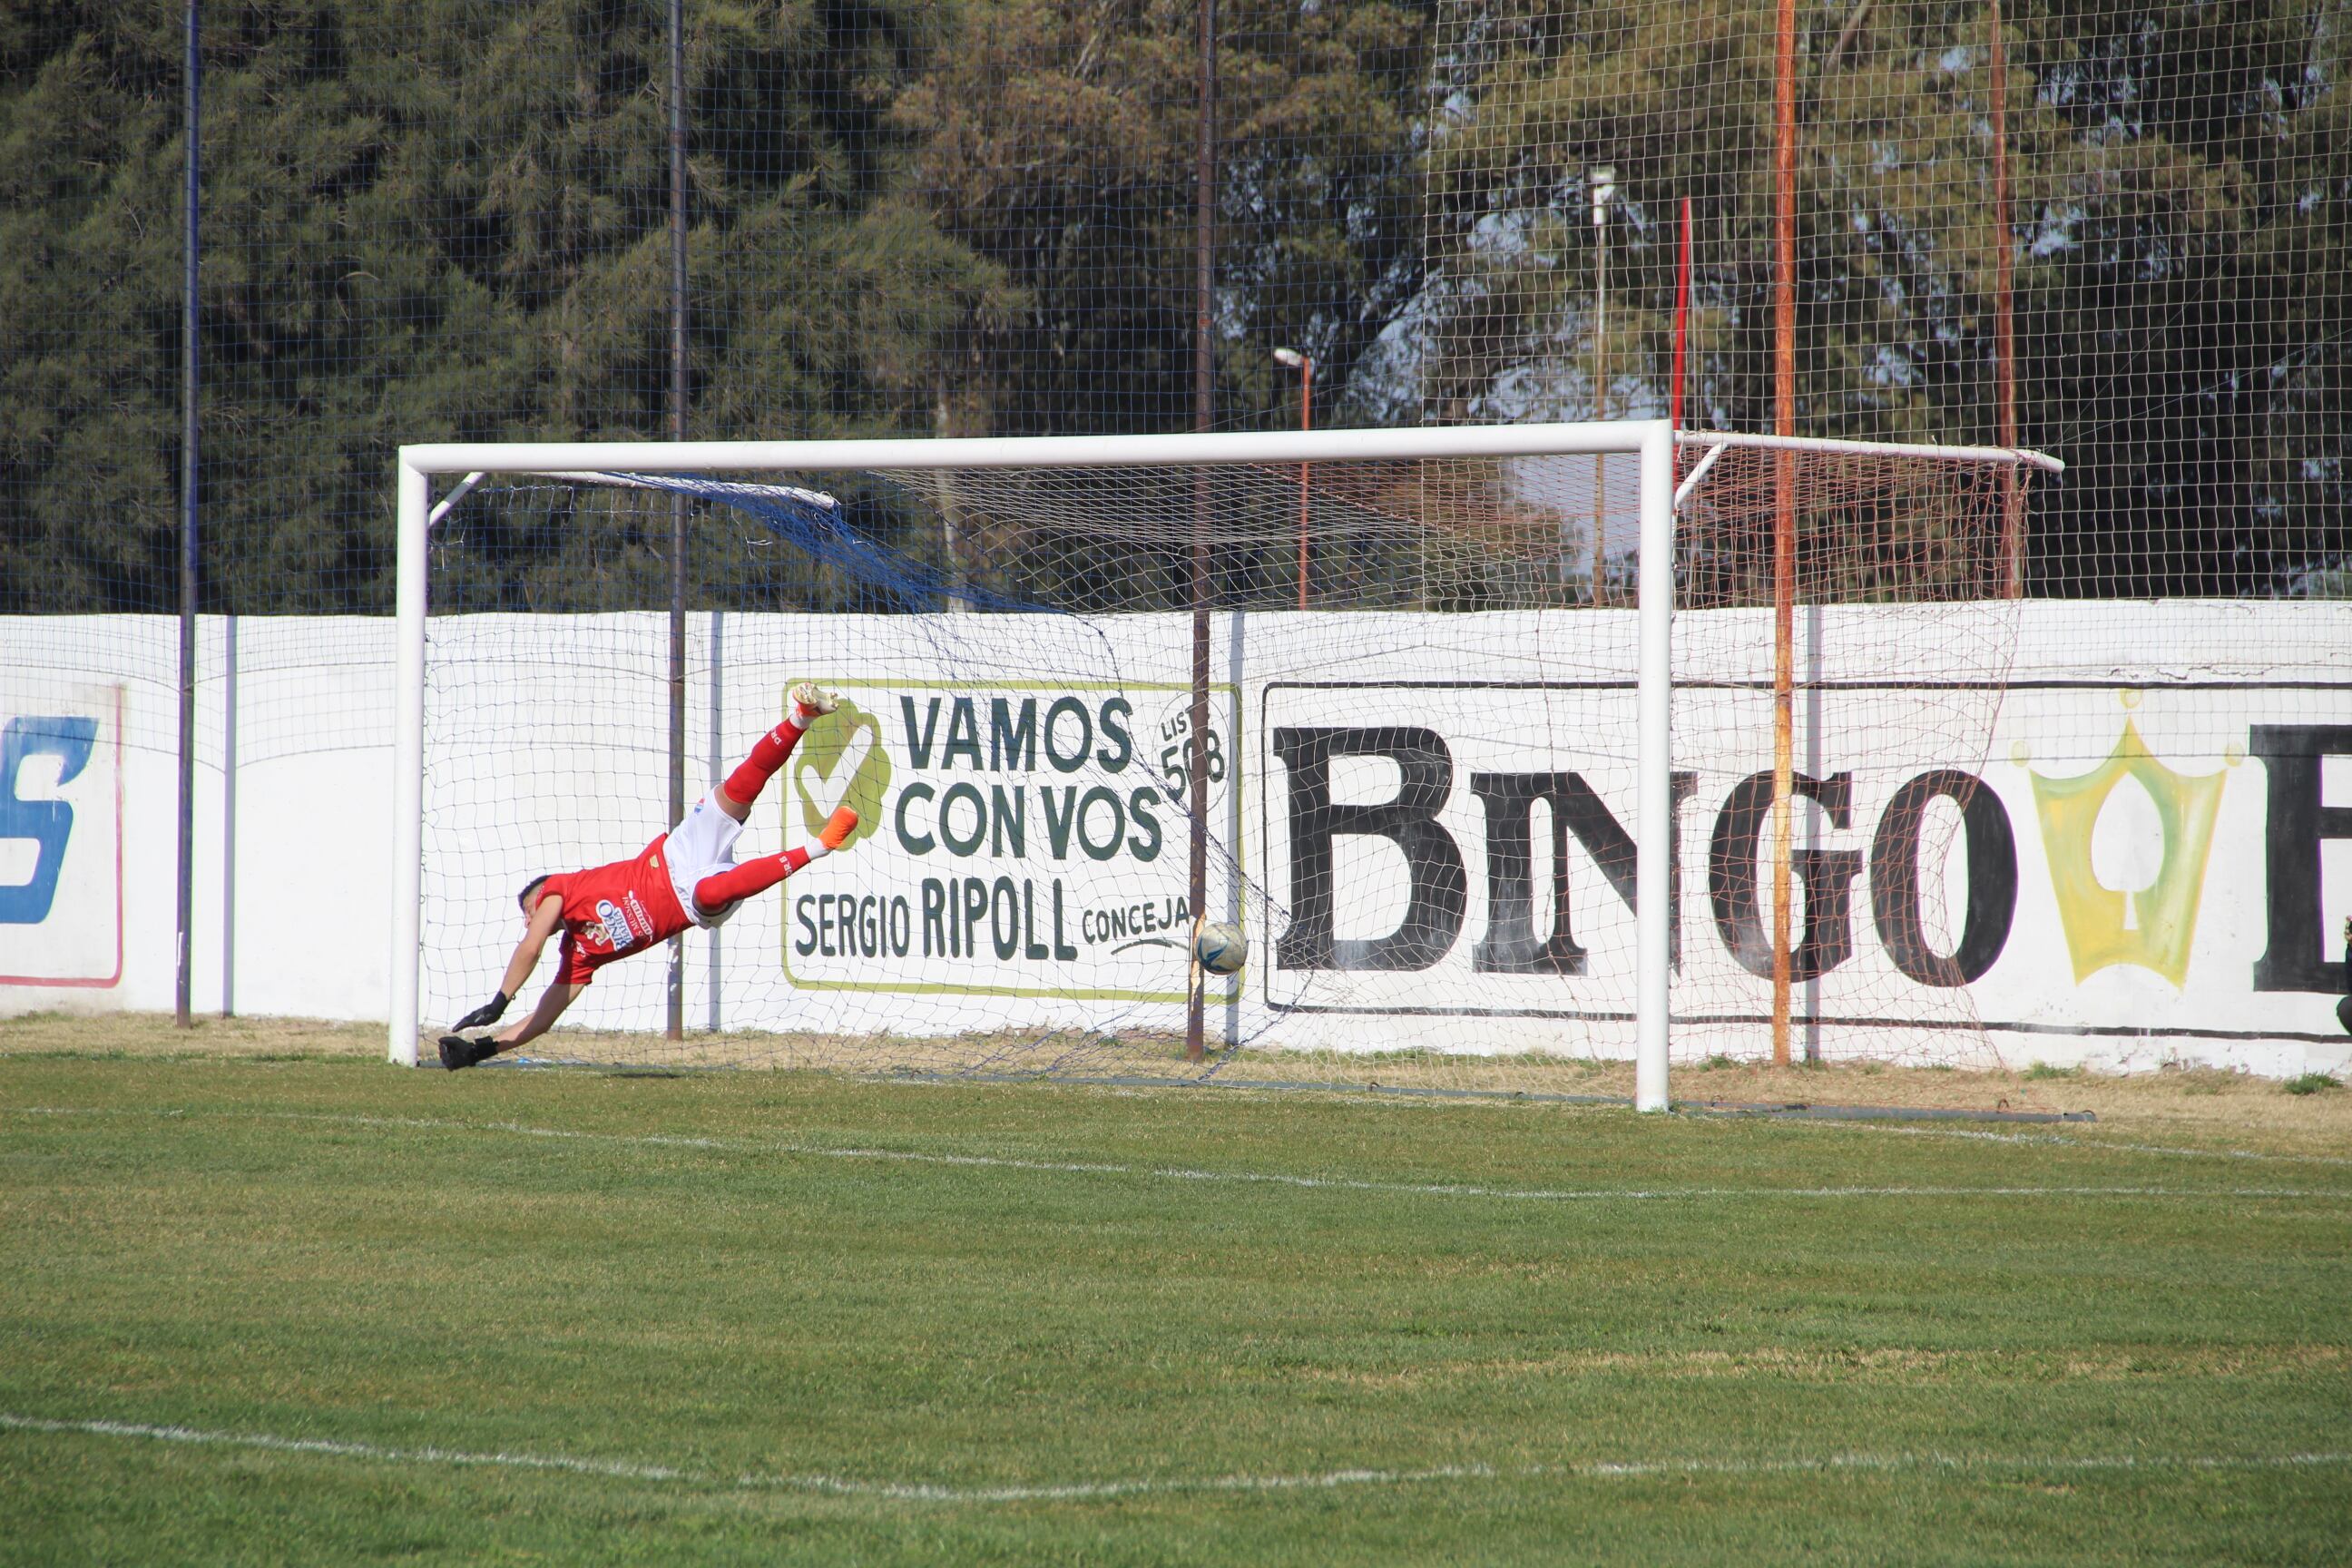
pixel 1603 182
pixel 1305 365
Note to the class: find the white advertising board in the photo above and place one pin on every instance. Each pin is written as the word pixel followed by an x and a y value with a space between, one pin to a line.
pixel 2109 876
pixel 1017 839
pixel 2133 845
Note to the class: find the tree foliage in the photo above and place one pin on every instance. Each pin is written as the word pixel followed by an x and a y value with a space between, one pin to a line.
pixel 450 219
pixel 1058 143
pixel 446 220
pixel 2187 306
pixel 2183 179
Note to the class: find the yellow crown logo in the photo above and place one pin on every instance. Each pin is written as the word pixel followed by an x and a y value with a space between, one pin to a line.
pixel 2153 925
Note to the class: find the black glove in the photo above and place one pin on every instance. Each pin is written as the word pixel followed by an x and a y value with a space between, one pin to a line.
pixel 489 1012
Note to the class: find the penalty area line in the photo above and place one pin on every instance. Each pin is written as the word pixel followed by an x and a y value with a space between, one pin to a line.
pixel 2108 1145
pixel 1182 1174
pixel 1145 1486
pixel 338 1448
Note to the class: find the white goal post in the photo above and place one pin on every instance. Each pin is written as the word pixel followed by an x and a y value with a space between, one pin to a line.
pixel 1652 444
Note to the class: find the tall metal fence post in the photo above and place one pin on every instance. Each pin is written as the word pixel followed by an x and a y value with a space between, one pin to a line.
pixel 676 1020
pixel 1204 407
pixel 182 959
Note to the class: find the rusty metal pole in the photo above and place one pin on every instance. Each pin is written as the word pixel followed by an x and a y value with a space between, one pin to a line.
pixel 1682 323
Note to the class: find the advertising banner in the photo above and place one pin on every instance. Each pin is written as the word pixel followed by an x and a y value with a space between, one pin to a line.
pixel 61 835
pixel 2123 835
pixel 1016 839
pixel 2126 864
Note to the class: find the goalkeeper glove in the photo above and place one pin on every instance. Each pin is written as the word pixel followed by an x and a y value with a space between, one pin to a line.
pixel 489 1012
pixel 813 699
pixel 462 1051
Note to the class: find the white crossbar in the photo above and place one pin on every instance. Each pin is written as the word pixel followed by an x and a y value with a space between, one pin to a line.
pixel 2005 456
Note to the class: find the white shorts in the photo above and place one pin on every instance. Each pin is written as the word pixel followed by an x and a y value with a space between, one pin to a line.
pixel 701 845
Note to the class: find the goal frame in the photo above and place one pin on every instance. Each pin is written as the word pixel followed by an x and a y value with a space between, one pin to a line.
pixel 1654 442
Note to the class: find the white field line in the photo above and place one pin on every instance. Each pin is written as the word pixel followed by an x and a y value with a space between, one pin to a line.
pixel 1416 1104
pixel 1143 1486
pixel 1257 1178
pixel 2062 1141
pixel 613 1468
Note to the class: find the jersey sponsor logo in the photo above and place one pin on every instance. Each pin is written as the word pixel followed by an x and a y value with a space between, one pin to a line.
pixel 613 928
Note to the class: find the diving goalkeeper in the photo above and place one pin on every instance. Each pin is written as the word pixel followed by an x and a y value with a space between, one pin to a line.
pixel 687 876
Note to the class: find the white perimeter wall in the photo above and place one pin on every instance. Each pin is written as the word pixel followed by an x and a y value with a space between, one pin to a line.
pixel 2181 902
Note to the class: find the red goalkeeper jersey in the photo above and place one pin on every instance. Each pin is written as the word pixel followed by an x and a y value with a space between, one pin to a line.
pixel 610 912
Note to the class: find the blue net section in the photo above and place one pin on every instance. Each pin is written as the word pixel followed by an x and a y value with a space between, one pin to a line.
pixel 819 525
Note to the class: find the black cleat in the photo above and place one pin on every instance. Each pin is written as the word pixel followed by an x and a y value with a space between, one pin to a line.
pixel 466 1049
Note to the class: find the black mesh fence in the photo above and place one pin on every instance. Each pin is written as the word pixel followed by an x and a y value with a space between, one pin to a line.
pixel 433 219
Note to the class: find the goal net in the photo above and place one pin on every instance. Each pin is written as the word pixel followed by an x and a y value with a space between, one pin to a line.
pixel 1408 667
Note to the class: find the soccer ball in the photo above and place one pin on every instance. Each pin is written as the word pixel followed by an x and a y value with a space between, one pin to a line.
pixel 1221 948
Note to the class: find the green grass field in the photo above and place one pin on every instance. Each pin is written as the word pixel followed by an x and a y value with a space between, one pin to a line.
pixel 327 1311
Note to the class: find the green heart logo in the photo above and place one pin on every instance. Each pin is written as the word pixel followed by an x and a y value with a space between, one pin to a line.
pixel 842 761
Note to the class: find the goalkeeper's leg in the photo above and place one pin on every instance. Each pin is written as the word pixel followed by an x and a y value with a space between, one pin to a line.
pixel 715 892
pixel 744 785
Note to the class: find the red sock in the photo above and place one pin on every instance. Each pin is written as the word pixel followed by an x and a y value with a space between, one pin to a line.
pixel 722 887
pixel 751 775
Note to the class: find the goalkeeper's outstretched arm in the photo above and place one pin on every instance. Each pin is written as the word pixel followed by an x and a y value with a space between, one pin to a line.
pixel 470 1044
pixel 551 1003
pixel 546 920
pixel 470 1037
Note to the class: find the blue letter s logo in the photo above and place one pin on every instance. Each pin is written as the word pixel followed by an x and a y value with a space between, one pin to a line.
pixel 46 822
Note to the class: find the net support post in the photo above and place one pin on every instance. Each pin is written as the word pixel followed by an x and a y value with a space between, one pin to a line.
pixel 1654 818
pixel 408 759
